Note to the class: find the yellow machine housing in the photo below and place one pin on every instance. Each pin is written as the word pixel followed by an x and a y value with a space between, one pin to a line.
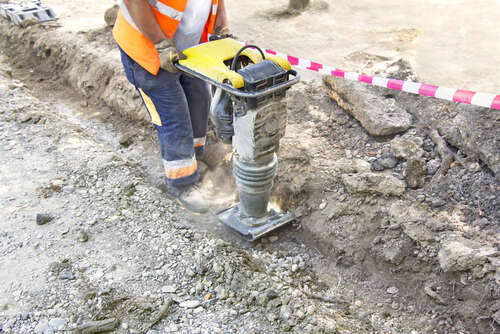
pixel 208 60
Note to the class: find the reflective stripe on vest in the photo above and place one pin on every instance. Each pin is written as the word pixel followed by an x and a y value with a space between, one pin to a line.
pixel 166 10
pixel 168 13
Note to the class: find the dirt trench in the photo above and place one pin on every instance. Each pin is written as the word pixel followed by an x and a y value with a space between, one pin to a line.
pixel 434 248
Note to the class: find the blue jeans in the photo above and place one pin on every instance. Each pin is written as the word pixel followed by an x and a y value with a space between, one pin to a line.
pixel 179 107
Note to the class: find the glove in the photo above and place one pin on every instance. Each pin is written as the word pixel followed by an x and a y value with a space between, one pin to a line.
pixel 168 54
pixel 222 30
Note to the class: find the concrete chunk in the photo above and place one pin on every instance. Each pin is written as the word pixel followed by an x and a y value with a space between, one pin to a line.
pixel 462 254
pixel 374 184
pixel 379 116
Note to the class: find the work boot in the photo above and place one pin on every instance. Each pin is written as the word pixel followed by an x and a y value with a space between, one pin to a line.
pixel 190 197
pixel 202 168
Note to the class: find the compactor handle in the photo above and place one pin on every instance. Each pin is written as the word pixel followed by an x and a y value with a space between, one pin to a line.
pixel 235 59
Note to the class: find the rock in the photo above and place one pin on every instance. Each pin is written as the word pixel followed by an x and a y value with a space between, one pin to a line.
pixel 462 254
pixel 274 303
pixel 101 326
pixel 110 15
pixel 394 67
pixel 496 317
pixel 126 139
pixel 386 161
pixel 263 298
pixel 433 166
pixel 437 202
pixel 43 218
pixel 395 251
pixel 169 289
pixel 474 130
pixel 374 184
pixel 57 324
pixel 128 188
pixel 351 166
pixel 475 167
pixel 392 290
pixel 418 231
pixel 68 189
pixel 285 312
pixel 66 274
pixel 404 148
pixel 82 236
pixel 274 238
pixel 152 331
pixel 222 293
pixel 190 304
pixel 415 172
pixel 26 118
pixel 43 327
pixel 379 116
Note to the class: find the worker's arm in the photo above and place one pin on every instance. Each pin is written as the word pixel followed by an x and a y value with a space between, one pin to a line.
pixel 221 20
pixel 144 18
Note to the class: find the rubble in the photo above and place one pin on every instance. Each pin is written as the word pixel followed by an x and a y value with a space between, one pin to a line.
pixel 474 130
pixel 462 254
pixel 374 183
pixel 378 117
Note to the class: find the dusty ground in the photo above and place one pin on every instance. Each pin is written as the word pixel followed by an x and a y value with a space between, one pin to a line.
pixel 386 258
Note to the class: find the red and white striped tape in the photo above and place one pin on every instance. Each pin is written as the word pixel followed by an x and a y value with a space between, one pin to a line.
pixel 456 95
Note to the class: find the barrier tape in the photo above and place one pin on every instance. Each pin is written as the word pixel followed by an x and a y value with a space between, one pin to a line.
pixel 450 94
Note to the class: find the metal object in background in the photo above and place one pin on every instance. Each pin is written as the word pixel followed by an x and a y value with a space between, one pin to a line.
pixel 20 13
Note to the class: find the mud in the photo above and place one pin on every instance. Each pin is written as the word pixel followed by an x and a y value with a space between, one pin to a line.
pixel 422 243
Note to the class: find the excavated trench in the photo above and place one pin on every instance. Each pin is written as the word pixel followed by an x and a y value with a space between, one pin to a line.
pixel 433 250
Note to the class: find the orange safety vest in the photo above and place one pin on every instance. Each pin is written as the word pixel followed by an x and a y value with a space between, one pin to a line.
pixel 168 13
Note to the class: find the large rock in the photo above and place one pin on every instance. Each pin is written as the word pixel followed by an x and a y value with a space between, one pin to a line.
pixel 379 116
pixel 475 131
pixel 462 254
pixel 374 183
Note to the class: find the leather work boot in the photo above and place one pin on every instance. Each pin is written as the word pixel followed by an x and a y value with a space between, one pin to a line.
pixel 190 197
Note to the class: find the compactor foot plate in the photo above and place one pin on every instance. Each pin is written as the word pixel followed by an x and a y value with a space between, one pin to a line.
pixel 253 228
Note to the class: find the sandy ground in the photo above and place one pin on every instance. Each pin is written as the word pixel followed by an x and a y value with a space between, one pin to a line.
pixel 449 42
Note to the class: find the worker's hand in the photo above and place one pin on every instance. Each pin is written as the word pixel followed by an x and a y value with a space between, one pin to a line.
pixel 222 30
pixel 168 55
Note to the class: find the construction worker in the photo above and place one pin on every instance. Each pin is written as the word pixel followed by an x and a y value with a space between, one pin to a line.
pixel 151 35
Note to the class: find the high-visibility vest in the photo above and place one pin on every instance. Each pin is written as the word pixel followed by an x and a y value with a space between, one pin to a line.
pixel 168 13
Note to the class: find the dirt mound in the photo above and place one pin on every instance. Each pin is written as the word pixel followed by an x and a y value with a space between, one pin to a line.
pixel 418 209
pixel 87 62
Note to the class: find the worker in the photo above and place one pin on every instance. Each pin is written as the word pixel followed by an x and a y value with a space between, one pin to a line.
pixel 151 35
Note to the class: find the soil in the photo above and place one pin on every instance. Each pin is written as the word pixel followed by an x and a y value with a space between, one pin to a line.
pixel 367 258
